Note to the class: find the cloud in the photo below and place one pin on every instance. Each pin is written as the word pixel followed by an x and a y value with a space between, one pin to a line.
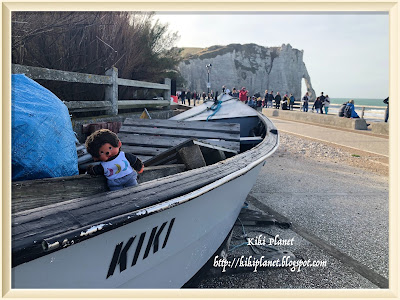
pixel 340 50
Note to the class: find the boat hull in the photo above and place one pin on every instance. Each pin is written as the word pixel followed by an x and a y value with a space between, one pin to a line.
pixel 144 253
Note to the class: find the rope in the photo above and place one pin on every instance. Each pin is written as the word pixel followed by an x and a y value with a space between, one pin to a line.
pixel 243 236
pixel 215 109
pixel 208 108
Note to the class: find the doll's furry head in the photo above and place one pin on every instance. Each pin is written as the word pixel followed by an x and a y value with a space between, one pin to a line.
pixel 99 138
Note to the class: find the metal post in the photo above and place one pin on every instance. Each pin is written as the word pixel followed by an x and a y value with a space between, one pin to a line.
pixel 208 78
pixel 208 82
pixel 362 112
pixel 167 93
pixel 111 91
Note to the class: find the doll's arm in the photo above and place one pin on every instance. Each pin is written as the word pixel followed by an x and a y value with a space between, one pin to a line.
pixel 95 170
pixel 135 162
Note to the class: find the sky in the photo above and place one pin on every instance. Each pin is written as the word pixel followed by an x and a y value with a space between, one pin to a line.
pixel 346 54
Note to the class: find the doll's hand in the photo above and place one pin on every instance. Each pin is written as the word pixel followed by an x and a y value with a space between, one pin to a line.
pixel 141 170
pixel 89 170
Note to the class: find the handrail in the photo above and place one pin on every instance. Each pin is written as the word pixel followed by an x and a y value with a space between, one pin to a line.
pixel 111 102
pixel 366 106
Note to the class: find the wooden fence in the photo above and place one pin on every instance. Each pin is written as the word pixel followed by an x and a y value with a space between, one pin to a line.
pixel 111 103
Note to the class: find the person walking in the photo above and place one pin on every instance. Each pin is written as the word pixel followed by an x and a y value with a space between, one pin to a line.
pixel 266 95
pixel 194 95
pixel 322 98
pixel 326 104
pixel 305 101
pixel 270 99
pixel 291 101
pixel 285 102
pixel 183 97
pixel 188 96
pixel 317 105
pixel 277 100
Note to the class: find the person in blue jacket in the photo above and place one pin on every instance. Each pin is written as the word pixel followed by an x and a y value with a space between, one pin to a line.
pixel 353 113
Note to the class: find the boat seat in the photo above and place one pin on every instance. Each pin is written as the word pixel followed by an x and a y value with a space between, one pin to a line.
pixel 251 140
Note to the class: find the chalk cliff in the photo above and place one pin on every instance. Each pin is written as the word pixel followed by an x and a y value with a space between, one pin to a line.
pixel 257 68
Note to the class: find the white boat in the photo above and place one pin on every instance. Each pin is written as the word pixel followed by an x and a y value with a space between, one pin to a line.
pixel 154 235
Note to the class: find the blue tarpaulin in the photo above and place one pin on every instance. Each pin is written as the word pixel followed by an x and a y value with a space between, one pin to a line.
pixel 43 142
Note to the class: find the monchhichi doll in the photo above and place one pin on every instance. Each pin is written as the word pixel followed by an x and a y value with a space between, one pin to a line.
pixel 120 168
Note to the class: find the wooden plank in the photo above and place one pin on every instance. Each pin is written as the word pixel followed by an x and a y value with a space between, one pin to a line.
pixel 192 157
pixel 165 142
pixel 80 110
pixel 149 140
pixel 234 146
pixel 156 172
pixel 180 133
pixel 57 75
pixel 212 156
pixel 216 147
pixel 37 193
pixel 145 158
pixel 142 84
pixel 185 125
pixel 251 139
pixel 87 104
pixel 168 154
pixel 142 103
pixel 148 151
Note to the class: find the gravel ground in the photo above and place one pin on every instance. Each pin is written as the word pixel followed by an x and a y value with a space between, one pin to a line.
pixel 308 148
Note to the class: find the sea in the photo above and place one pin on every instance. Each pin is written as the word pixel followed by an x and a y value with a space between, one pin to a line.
pixel 360 101
pixel 374 109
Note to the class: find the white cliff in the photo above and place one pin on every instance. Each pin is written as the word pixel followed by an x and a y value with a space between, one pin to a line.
pixel 257 68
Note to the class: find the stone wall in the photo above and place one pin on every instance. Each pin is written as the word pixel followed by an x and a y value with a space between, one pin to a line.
pixel 329 120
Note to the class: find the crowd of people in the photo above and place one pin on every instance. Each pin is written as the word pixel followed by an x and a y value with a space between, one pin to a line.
pixel 320 105
pixel 277 101
pixel 268 101
pixel 196 96
pixel 285 102
pixel 188 95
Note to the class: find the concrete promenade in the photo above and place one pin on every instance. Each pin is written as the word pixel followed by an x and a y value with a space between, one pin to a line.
pixel 353 139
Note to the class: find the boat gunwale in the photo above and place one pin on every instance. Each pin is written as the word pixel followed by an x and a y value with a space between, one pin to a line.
pixel 132 216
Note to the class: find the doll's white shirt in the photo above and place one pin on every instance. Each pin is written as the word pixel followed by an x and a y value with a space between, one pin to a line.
pixel 117 168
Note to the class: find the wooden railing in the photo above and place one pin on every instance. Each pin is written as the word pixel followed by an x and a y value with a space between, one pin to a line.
pixel 111 103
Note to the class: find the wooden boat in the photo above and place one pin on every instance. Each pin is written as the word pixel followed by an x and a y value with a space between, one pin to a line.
pixel 154 235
